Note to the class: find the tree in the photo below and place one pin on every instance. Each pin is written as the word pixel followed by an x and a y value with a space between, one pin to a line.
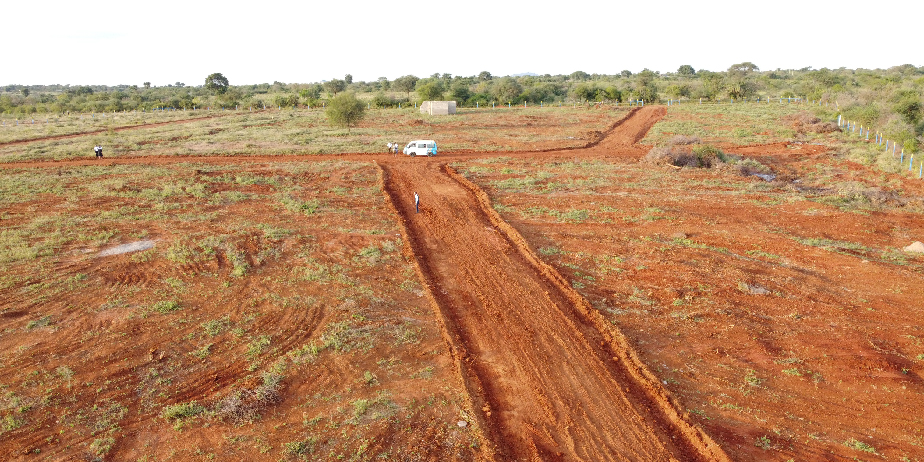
pixel 711 84
pixel 585 92
pixel 613 94
pixel 312 92
pixel 484 76
pixel 405 84
pixel 216 83
pixel 147 84
pixel 910 109
pixel 579 75
pixel 286 100
pixel 348 79
pixel 676 91
pixel 383 83
pixel 743 68
pixel 626 73
pixel 507 89
pixel 645 88
pixel 25 91
pixel 739 88
pixel 686 69
pixel 430 89
pixel 460 92
pixel 335 86
pixel 345 110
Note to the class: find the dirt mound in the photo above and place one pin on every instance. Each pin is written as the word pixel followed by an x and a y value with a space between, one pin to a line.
pixel 803 122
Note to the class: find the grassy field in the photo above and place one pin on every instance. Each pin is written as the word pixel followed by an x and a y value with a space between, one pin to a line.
pixel 45 125
pixel 304 131
pixel 732 125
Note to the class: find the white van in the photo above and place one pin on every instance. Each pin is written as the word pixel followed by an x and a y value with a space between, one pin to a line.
pixel 421 148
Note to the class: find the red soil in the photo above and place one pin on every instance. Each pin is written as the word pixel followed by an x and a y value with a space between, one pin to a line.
pixel 552 378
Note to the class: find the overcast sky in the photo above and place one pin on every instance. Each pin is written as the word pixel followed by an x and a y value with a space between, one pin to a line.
pixel 168 41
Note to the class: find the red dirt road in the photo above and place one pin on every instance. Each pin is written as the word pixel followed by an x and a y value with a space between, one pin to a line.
pixel 550 384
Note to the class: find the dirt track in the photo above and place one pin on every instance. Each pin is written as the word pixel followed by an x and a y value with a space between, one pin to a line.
pixel 550 384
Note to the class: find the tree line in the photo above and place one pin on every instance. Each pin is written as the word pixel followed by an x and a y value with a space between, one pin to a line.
pixel 889 98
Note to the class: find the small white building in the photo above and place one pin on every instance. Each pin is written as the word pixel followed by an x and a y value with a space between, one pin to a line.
pixel 438 107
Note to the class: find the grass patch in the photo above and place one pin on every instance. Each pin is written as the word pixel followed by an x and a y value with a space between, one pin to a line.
pixel 44 321
pixel 166 306
pixel 182 410
pixel 860 446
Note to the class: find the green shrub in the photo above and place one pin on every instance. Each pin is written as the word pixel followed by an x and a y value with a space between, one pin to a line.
pixel 182 410
pixel 165 306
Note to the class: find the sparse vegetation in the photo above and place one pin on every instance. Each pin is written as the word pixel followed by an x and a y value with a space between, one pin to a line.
pixel 182 410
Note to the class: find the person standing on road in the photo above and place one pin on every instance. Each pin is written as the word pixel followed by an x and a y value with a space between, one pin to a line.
pixel 416 203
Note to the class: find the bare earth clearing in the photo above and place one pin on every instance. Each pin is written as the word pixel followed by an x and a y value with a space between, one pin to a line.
pixel 567 304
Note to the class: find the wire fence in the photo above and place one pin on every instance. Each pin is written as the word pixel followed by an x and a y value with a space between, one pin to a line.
pixel 881 141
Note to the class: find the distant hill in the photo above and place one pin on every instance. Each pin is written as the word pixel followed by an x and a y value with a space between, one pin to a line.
pixel 525 74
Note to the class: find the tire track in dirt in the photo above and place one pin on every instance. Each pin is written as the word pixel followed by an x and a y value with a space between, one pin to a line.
pixel 104 130
pixel 551 381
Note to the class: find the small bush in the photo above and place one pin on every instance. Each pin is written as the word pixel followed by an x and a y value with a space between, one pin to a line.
pixel 683 140
pixel 164 307
pixel 299 449
pixel 44 321
pixel 803 122
pixel 245 405
pixel 860 446
pixel 383 101
pixel 182 410
pixel 102 446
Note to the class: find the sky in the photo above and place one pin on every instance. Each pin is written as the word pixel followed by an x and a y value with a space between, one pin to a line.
pixel 115 42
